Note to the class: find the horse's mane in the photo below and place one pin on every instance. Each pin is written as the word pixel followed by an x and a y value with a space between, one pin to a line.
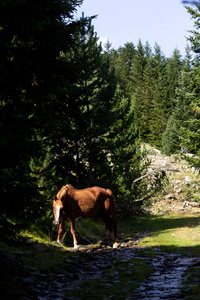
pixel 69 186
pixel 62 193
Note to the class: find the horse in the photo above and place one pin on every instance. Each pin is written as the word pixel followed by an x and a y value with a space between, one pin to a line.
pixel 72 203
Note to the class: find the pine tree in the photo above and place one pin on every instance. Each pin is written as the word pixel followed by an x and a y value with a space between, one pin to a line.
pixel 32 35
pixel 171 139
pixel 123 67
pixel 125 155
pixel 190 132
pixel 173 67
pixel 150 94
pixel 139 63
pixel 91 100
pixel 195 37
pixel 157 113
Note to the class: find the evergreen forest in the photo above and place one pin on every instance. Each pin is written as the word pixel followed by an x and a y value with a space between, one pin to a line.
pixel 75 112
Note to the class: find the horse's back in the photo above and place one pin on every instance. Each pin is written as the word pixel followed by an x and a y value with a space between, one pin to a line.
pixel 95 191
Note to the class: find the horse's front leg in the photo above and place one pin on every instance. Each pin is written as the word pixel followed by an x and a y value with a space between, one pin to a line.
pixel 73 232
pixel 60 228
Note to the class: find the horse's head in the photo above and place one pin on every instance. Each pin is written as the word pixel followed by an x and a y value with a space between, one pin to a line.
pixel 57 206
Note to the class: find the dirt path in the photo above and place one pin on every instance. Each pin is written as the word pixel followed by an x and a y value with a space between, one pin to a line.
pixel 168 271
pixel 166 281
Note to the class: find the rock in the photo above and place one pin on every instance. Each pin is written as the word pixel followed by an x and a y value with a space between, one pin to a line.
pixel 41 247
pixel 194 204
pixel 22 253
pixel 172 159
pixel 188 180
pixel 170 196
pixel 28 280
pixel 196 264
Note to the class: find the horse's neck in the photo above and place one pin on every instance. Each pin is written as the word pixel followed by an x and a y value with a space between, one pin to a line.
pixel 69 193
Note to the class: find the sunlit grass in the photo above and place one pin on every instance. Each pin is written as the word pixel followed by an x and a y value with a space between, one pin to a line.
pixel 177 237
pixel 169 231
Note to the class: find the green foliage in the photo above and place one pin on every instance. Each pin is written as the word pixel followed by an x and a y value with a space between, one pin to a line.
pixel 152 93
pixel 195 37
pixel 190 133
pixel 60 119
pixel 32 36
pixel 126 157
pixel 170 138
pixel 73 113
pixel 81 156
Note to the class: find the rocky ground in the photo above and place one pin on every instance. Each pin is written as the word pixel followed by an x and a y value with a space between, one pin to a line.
pixel 165 280
pixel 182 194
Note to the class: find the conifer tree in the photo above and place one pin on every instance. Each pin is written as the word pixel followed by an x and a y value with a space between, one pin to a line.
pixel 171 139
pixel 190 133
pixel 157 113
pixel 91 100
pixel 139 64
pixel 150 94
pixel 173 68
pixel 125 157
pixel 32 35
pixel 123 67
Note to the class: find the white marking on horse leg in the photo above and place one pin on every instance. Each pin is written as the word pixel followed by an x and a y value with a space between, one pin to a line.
pixel 57 215
pixel 115 245
pixel 75 244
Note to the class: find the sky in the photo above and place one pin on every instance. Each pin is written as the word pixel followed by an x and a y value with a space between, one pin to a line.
pixel 165 22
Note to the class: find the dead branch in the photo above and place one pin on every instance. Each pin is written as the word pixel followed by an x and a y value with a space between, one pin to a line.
pixel 146 197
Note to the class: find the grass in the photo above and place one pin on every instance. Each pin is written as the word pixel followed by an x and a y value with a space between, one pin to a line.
pixel 176 232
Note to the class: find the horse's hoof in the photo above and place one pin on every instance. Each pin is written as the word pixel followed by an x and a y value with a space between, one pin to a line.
pixel 115 245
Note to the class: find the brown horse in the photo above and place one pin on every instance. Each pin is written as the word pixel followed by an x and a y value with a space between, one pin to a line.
pixel 71 203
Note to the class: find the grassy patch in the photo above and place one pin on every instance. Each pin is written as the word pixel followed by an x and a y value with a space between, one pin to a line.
pixel 172 232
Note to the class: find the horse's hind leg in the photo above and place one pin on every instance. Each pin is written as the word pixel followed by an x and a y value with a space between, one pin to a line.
pixel 114 226
pixel 108 217
pixel 73 232
pixel 110 223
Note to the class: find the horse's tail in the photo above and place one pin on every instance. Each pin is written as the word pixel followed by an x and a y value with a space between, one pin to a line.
pixel 112 199
pixel 110 218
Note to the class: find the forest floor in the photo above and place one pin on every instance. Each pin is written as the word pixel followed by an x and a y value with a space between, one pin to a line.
pixel 158 255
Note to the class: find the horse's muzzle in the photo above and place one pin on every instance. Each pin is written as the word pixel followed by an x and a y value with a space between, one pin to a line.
pixel 56 222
